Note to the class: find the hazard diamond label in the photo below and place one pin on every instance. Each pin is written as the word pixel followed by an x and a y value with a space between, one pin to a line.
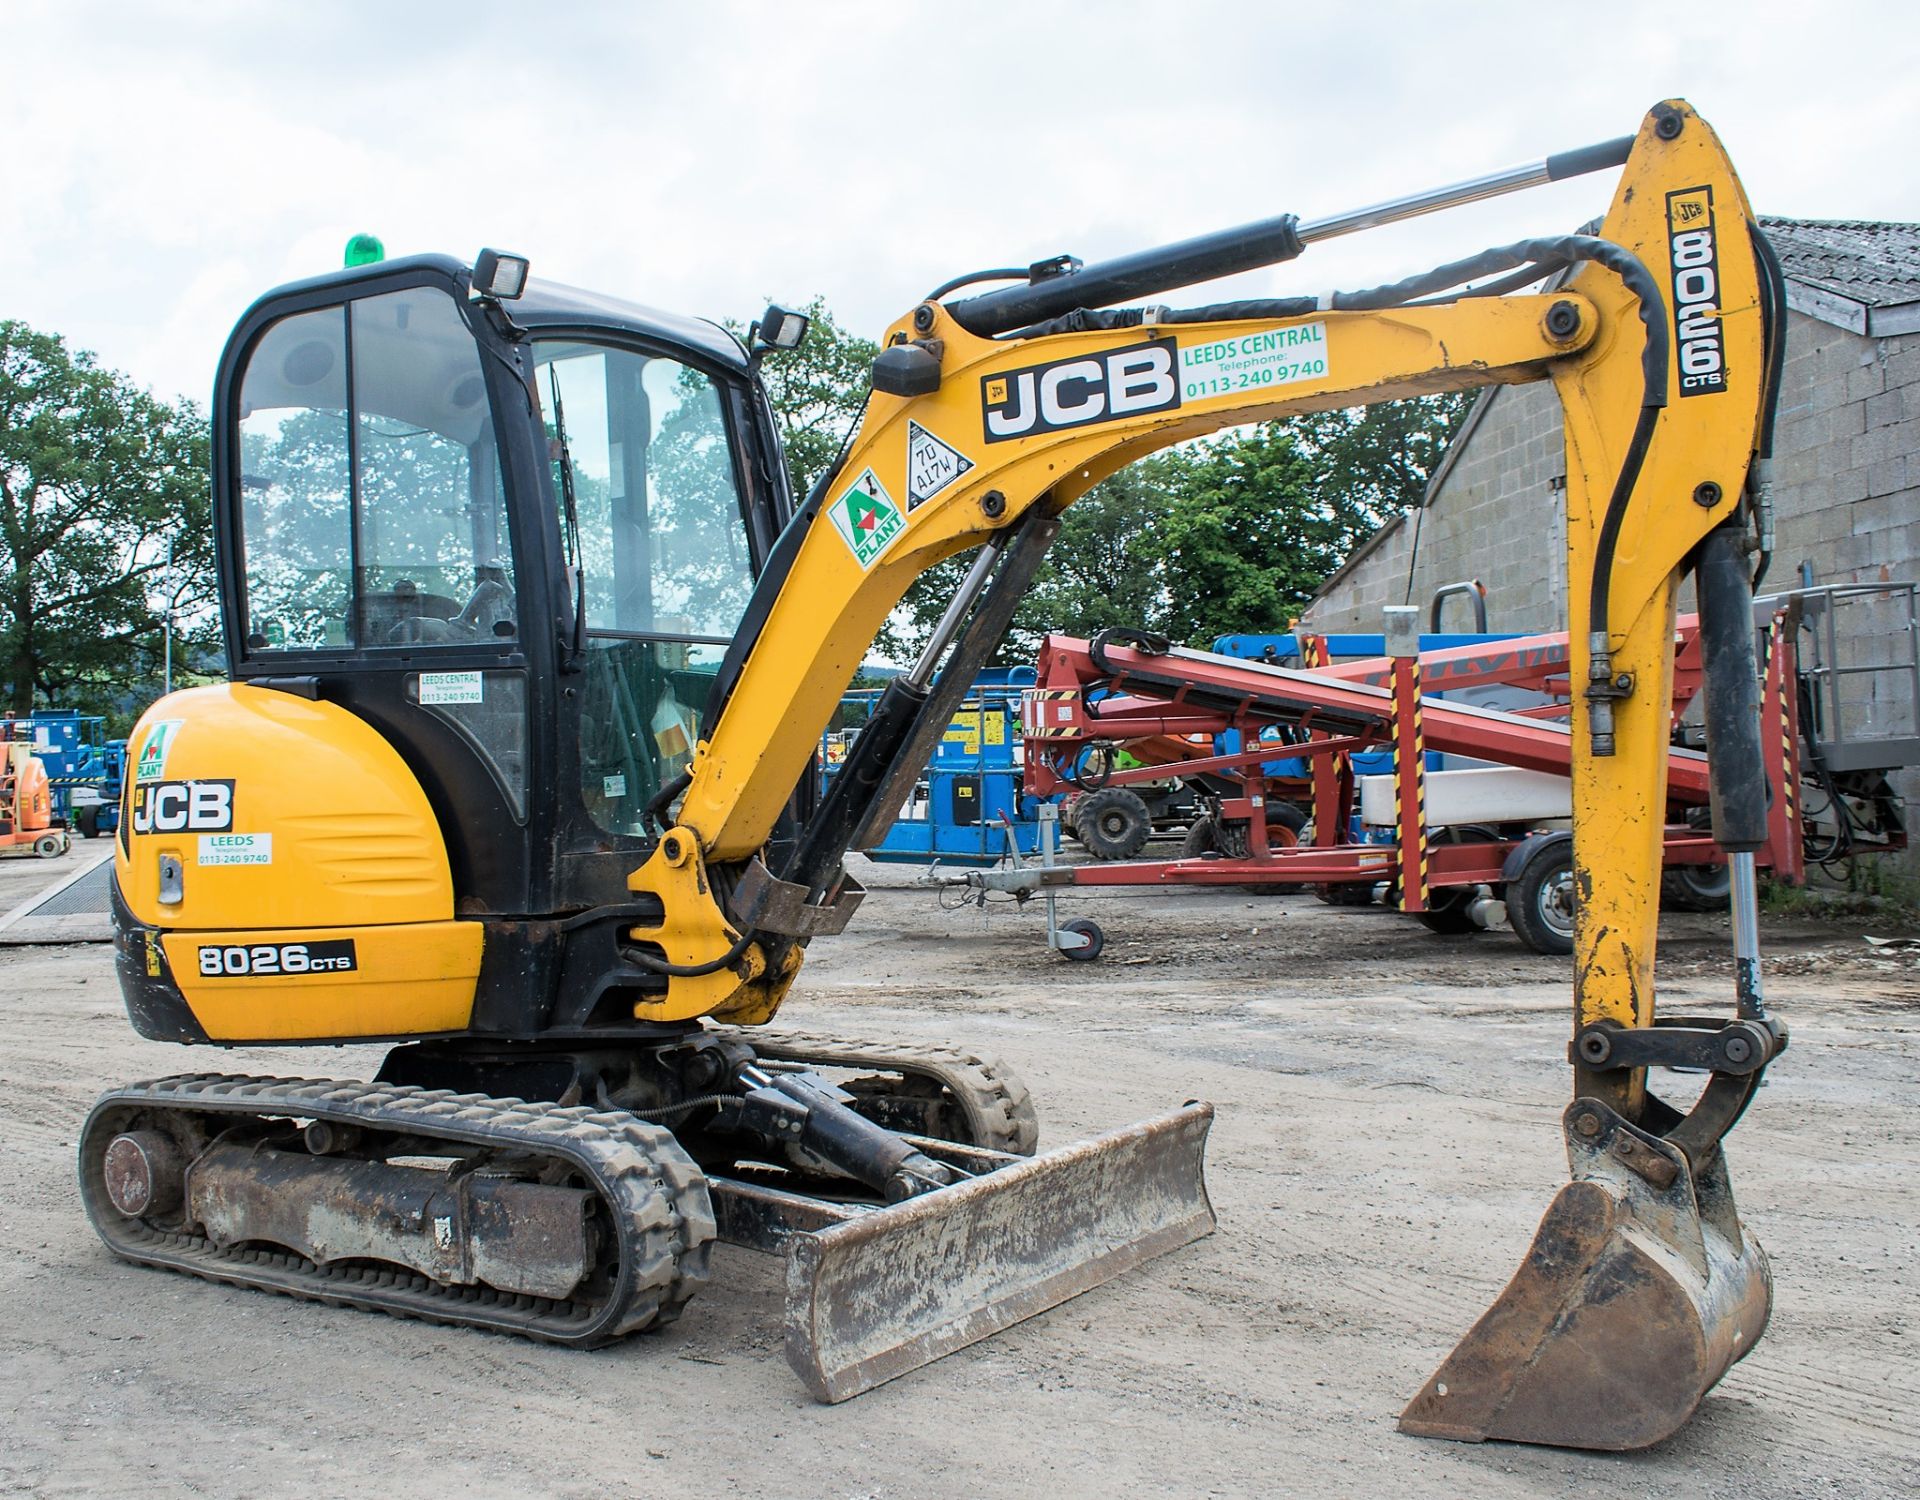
pixel 931 465
pixel 867 517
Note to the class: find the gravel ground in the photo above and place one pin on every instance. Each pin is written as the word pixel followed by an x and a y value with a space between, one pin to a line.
pixel 1386 1143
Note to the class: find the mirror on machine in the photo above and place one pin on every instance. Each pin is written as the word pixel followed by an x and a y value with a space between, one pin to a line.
pixel 644 474
pixel 372 511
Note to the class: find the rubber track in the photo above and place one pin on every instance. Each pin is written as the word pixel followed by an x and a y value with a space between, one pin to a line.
pixel 653 1192
pixel 996 1103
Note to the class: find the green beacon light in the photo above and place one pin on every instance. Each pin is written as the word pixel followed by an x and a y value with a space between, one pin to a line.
pixel 365 250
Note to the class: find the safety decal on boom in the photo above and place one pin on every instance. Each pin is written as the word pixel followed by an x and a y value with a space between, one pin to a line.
pixel 931 465
pixel 866 518
pixel 1697 339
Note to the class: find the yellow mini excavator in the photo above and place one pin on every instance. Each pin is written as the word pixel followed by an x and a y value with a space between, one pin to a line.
pixel 531 651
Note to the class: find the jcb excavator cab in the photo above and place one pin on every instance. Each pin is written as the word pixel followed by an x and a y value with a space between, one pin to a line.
pixel 516 537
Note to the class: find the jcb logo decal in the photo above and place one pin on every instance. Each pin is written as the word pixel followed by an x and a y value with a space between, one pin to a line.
pixel 1076 392
pixel 183 807
pixel 1697 339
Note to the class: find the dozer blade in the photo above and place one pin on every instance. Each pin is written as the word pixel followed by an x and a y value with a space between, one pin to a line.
pixel 1639 1291
pixel 876 1293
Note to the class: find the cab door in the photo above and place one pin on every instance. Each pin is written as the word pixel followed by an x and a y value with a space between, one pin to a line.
pixel 375 553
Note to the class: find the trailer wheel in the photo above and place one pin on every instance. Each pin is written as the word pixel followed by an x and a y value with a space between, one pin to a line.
pixel 1284 823
pixel 1200 840
pixel 1450 918
pixel 1696 888
pixel 1540 899
pixel 1112 823
pixel 1090 930
pixel 1448 908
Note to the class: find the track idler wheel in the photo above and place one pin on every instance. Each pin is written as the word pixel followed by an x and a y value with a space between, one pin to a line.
pixel 1638 1293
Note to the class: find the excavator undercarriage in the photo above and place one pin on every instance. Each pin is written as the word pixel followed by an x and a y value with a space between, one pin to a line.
pixel 579 1223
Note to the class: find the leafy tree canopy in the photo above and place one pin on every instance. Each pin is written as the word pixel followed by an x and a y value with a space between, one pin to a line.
pixel 817 392
pixel 105 526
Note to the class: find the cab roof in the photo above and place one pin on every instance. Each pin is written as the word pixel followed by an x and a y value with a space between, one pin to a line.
pixel 544 305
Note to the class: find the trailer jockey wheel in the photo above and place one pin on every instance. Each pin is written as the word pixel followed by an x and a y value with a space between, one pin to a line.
pixel 1113 823
pixel 1540 899
pixel 1095 939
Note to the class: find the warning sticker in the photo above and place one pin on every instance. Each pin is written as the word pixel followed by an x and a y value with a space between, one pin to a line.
pixel 152 764
pixel 1249 361
pixel 931 465
pixel 452 687
pixel 867 518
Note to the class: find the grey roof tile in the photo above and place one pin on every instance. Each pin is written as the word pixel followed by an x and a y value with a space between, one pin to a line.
pixel 1872 263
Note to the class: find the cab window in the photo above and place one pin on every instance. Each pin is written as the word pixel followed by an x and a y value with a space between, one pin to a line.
pixel 372 510
pixel 651 522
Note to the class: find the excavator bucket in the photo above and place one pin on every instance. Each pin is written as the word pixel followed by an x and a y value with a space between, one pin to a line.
pixel 874 1293
pixel 1639 1291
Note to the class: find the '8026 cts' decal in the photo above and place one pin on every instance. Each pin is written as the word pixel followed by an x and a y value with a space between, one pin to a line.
pixel 277 960
pixel 1698 344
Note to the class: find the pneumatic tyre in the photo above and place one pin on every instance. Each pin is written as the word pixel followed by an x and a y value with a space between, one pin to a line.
pixel 1540 899
pixel 1088 929
pixel 1696 888
pixel 1112 823
pixel 1200 841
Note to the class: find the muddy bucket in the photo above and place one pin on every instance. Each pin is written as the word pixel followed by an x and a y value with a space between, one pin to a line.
pixel 1639 1291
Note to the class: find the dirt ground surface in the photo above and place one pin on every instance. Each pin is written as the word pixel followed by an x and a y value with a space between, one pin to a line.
pixel 1386 1142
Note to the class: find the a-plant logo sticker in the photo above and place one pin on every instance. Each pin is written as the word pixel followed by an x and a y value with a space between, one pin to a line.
pixel 867 518
pixel 152 764
pixel 1697 338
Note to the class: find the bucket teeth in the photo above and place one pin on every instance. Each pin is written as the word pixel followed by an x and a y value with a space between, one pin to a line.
pixel 1638 1293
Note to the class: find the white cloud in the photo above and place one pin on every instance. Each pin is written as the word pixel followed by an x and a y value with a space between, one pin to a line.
pixel 167 162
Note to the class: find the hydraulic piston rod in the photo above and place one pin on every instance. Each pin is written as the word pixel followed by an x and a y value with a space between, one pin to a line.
pixel 1247 247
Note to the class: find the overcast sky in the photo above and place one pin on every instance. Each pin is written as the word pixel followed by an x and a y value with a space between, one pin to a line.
pixel 163 163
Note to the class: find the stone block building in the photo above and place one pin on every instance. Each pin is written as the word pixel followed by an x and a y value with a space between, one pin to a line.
pixel 1846 474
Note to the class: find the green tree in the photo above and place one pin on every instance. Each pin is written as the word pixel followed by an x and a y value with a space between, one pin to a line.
pixel 817 392
pixel 105 526
pixel 1108 565
pixel 1262 517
